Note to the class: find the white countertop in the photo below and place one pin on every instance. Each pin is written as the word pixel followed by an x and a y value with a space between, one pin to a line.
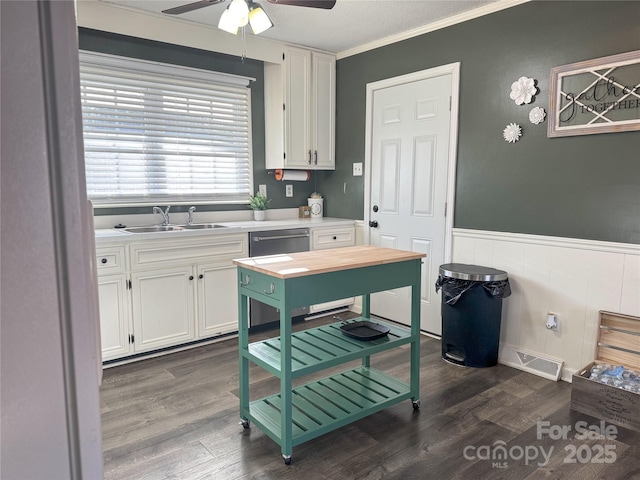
pixel 110 235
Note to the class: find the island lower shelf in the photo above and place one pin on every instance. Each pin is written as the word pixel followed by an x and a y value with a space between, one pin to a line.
pixel 332 402
pixel 323 347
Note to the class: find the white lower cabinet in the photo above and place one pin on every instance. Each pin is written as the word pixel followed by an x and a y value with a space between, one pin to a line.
pixel 163 308
pixel 115 318
pixel 169 293
pixel 217 299
pixel 324 238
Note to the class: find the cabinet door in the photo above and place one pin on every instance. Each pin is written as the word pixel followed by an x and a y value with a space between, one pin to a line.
pixel 163 307
pixel 114 316
pixel 217 300
pixel 297 112
pixel 323 110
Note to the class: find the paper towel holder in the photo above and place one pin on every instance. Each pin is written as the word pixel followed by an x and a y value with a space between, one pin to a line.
pixel 291 175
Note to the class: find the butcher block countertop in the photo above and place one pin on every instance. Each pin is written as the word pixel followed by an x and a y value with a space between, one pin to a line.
pixel 302 264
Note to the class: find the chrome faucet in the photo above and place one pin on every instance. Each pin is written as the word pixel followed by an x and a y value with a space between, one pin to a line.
pixel 165 214
pixel 190 211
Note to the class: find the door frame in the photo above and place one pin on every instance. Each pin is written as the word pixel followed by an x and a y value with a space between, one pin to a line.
pixel 454 70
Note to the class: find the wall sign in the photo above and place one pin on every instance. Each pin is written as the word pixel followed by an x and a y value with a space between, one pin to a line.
pixel 595 96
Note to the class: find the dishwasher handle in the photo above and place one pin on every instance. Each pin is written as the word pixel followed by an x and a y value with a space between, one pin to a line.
pixel 280 237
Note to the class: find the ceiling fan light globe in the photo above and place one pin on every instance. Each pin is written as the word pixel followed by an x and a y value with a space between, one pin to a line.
pixel 239 11
pixel 228 23
pixel 258 19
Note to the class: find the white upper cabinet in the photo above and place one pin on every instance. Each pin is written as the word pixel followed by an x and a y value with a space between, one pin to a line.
pixel 300 111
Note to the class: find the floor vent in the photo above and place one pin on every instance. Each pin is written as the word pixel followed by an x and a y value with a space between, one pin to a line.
pixel 532 362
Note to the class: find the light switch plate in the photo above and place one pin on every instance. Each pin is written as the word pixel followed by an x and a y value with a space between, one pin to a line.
pixel 262 189
pixel 357 169
pixel 289 190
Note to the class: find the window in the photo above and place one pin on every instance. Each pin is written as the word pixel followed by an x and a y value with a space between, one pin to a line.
pixel 157 133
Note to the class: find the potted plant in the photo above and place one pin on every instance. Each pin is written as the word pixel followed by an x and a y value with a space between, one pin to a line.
pixel 258 203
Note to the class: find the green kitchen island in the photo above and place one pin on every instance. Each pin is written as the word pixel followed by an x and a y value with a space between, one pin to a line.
pixel 294 416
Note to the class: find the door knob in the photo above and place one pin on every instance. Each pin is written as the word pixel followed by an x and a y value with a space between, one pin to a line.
pixel 373 223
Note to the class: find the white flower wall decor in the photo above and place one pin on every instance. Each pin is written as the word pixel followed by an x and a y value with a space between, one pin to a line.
pixel 523 90
pixel 536 115
pixel 512 133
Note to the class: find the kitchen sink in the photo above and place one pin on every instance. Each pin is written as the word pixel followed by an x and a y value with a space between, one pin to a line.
pixel 154 228
pixel 202 226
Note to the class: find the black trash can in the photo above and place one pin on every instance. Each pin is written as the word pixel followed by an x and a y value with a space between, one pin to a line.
pixel 471 313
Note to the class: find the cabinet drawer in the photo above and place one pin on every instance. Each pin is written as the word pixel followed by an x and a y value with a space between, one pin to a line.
pixel 261 284
pixel 180 252
pixel 110 260
pixel 333 238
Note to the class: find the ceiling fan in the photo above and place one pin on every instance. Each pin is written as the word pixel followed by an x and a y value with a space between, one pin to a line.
pixel 241 12
pixel 189 7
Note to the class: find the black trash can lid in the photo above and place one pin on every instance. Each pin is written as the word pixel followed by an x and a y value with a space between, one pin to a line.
pixel 475 273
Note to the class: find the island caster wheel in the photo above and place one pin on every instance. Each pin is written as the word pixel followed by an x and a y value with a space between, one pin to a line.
pixel 245 423
pixel 287 459
pixel 416 404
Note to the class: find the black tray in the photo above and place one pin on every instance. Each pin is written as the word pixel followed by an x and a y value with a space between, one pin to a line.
pixel 364 330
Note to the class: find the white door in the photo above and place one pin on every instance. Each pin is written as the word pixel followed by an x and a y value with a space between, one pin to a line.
pixel 114 316
pixel 410 132
pixel 323 108
pixel 163 307
pixel 297 113
pixel 217 304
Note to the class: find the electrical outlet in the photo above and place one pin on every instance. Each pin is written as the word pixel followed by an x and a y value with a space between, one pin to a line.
pixel 289 190
pixel 357 169
pixel 262 189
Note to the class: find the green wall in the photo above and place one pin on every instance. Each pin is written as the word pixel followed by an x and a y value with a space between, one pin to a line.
pixel 104 42
pixel 579 187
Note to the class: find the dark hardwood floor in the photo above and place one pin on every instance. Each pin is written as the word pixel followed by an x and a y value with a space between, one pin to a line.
pixel 176 417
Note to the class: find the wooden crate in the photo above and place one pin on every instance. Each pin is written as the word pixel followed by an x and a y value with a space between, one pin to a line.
pixel 618 344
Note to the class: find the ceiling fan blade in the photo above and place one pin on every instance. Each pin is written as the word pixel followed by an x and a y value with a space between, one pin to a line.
pixel 326 4
pixel 190 7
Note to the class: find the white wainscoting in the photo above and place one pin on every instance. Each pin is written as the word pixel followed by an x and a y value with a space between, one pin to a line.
pixel 571 277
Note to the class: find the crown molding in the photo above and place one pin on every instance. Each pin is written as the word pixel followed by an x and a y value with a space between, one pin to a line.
pixel 431 27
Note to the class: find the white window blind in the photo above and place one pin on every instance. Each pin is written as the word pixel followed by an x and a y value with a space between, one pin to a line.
pixel 157 133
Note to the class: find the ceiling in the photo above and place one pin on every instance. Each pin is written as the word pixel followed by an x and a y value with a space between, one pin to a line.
pixel 350 24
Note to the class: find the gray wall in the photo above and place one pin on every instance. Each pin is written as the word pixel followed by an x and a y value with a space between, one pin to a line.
pixel 578 187
pixel 105 42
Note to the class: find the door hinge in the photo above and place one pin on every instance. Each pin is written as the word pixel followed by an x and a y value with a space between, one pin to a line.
pixel 284 107
pixel 445 209
pixel 449 102
pixel 129 285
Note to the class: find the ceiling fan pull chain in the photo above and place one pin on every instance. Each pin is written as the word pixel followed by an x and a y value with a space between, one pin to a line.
pixel 244 50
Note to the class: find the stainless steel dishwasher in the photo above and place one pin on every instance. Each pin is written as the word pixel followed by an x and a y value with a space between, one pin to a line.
pixel 274 242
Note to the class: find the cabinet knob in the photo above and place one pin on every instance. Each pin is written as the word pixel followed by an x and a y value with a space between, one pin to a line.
pixel 201 276
pixel 335 238
pixel 104 260
pixel 190 277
